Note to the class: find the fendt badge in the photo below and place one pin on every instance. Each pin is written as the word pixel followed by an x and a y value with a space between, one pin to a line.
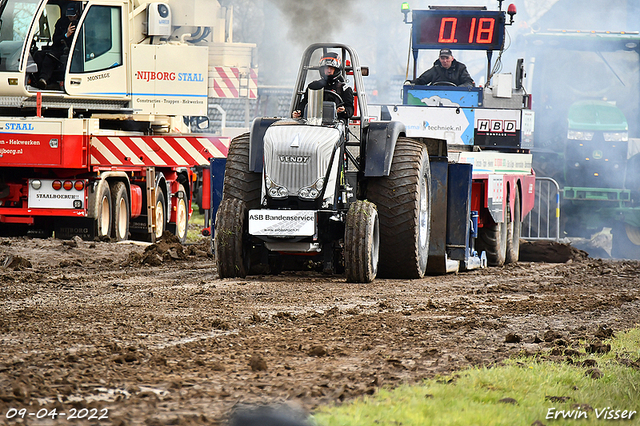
pixel 294 159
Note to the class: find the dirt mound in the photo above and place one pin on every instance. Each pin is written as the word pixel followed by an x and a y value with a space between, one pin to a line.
pixel 169 238
pixel 15 262
pixel 167 249
pixel 550 252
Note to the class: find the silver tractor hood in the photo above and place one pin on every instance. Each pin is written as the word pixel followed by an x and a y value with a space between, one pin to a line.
pixel 296 162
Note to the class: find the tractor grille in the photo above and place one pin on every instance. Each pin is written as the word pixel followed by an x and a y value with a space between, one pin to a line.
pixel 297 156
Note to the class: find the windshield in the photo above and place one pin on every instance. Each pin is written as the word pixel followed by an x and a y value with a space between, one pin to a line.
pixel 14 28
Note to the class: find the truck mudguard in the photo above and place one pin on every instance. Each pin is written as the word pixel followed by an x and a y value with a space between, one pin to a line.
pixel 256 142
pixel 381 142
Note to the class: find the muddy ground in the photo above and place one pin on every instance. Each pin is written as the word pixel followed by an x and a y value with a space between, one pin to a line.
pixel 150 335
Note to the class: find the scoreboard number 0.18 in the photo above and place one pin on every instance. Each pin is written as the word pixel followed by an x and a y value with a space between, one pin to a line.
pixel 483 32
pixel 479 30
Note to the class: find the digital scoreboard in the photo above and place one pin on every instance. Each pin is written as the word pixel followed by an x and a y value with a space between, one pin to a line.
pixel 458 29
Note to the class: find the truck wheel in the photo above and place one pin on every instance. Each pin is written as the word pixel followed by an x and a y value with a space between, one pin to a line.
pixel 625 241
pixel 102 211
pixel 513 232
pixel 198 199
pixel 403 200
pixel 160 214
pixel 492 239
pixel 239 182
pixel 361 242
pixel 120 203
pixel 229 237
pixel 179 229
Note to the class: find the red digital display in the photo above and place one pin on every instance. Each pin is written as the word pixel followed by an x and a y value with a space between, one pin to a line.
pixel 435 29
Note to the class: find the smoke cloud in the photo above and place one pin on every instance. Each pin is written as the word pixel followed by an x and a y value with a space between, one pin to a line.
pixel 311 21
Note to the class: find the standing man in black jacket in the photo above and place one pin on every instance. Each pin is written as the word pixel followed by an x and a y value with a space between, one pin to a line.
pixel 446 69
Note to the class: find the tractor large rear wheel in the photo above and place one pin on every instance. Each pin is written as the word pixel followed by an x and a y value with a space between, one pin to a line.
pixel 492 239
pixel 403 200
pixel 361 242
pixel 240 193
pixel 231 257
pixel 239 182
pixel 513 231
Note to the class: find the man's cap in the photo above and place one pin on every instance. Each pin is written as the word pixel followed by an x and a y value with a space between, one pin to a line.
pixel 72 9
pixel 445 52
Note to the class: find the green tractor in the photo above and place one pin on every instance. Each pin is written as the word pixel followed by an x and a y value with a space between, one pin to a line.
pixel 601 182
pixel 585 127
pixel 595 159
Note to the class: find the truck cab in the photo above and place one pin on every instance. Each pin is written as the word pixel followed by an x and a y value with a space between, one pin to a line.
pixel 92 63
pixel 102 148
pixel 137 58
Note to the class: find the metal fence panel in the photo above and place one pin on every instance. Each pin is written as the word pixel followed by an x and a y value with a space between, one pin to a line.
pixel 543 222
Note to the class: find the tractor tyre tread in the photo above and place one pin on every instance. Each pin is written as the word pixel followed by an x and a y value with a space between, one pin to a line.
pixel 622 247
pixel 361 242
pixel 229 239
pixel 397 198
pixel 239 182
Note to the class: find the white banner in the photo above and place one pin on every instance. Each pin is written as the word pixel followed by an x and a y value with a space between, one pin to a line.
pixel 282 223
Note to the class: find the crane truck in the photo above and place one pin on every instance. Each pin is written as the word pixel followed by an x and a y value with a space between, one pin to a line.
pixel 435 185
pixel 104 149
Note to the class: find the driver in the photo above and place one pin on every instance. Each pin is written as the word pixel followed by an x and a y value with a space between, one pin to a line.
pixel 335 89
pixel 446 70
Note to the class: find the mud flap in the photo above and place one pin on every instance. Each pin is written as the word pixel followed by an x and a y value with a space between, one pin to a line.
pixel 459 224
pixel 66 228
pixel 216 169
pixel 437 262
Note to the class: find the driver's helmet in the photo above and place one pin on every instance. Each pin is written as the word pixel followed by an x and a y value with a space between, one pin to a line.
pixel 330 59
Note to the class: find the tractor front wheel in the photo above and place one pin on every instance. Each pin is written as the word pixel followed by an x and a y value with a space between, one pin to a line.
pixel 231 221
pixel 361 242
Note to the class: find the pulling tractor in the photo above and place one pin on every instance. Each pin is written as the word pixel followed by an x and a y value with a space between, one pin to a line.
pixel 352 197
pixel 397 191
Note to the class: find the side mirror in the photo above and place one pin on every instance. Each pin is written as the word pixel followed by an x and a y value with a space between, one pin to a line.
pixel 520 74
pixel 365 71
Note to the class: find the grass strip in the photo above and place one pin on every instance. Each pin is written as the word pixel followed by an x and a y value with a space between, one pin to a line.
pixel 538 390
